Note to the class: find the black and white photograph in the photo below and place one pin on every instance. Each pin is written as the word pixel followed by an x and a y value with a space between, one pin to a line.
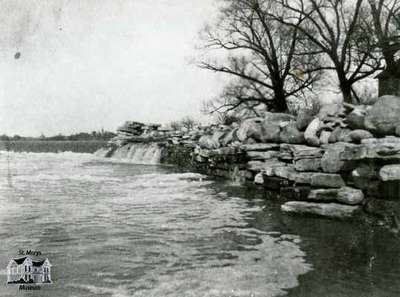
pixel 200 148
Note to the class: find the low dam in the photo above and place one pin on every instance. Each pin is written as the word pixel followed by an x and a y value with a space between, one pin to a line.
pixel 137 153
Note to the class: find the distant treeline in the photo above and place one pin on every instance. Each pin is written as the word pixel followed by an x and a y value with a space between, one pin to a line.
pixel 95 135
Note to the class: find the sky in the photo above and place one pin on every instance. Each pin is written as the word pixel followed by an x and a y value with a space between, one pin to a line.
pixel 68 66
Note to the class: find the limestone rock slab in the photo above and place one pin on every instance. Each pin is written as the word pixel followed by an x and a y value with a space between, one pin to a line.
pixel 390 172
pixel 299 151
pixel 330 210
pixel 351 196
pixel 323 195
pixel 264 166
pixel 327 180
pixel 260 147
pixel 308 164
pixel 383 149
pixel 255 155
pixel 331 161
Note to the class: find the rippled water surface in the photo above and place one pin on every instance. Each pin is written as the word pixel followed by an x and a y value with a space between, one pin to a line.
pixel 116 229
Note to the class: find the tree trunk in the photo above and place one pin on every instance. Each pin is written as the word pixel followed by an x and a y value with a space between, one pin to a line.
pixel 280 103
pixel 280 98
pixel 346 94
pixel 345 88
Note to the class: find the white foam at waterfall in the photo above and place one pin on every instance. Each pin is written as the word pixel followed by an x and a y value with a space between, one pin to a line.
pixel 139 153
pixel 102 152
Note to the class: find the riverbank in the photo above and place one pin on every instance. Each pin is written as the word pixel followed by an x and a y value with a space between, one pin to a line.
pixel 52 146
pixel 340 163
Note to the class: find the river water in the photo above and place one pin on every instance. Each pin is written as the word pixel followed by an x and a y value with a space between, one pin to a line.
pixel 112 228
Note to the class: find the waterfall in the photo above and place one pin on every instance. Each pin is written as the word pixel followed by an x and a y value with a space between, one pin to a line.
pixel 139 153
pixel 102 152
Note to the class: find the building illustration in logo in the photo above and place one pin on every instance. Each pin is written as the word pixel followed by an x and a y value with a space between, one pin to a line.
pixel 28 271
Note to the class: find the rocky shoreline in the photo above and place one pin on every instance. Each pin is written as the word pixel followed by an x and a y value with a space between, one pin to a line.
pixel 342 162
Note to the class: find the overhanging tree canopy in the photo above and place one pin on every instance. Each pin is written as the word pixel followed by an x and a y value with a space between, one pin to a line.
pixel 265 56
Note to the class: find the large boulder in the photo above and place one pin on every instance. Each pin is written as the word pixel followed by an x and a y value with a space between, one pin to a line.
pixel 340 134
pixel 259 178
pixel 310 134
pixel 229 137
pixel 313 164
pixel 324 137
pixel 250 128
pixel 304 118
pixel 350 196
pixel 330 210
pixel 331 161
pixel 272 125
pixel 208 142
pixel 358 135
pixel 344 195
pixel 290 134
pixel 390 173
pixel 327 180
pixel 218 136
pixel 355 118
pixel 383 117
pixel 271 132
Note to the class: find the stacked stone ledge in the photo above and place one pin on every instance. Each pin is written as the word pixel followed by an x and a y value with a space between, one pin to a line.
pixel 341 162
pixel 335 164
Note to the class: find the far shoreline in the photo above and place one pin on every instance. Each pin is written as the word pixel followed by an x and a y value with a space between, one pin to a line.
pixel 52 146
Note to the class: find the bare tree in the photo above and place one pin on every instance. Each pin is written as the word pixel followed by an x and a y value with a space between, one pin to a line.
pixel 240 97
pixel 175 125
pixel 188 123
pixel 335 28
pixel 385 24
pixel 262 54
